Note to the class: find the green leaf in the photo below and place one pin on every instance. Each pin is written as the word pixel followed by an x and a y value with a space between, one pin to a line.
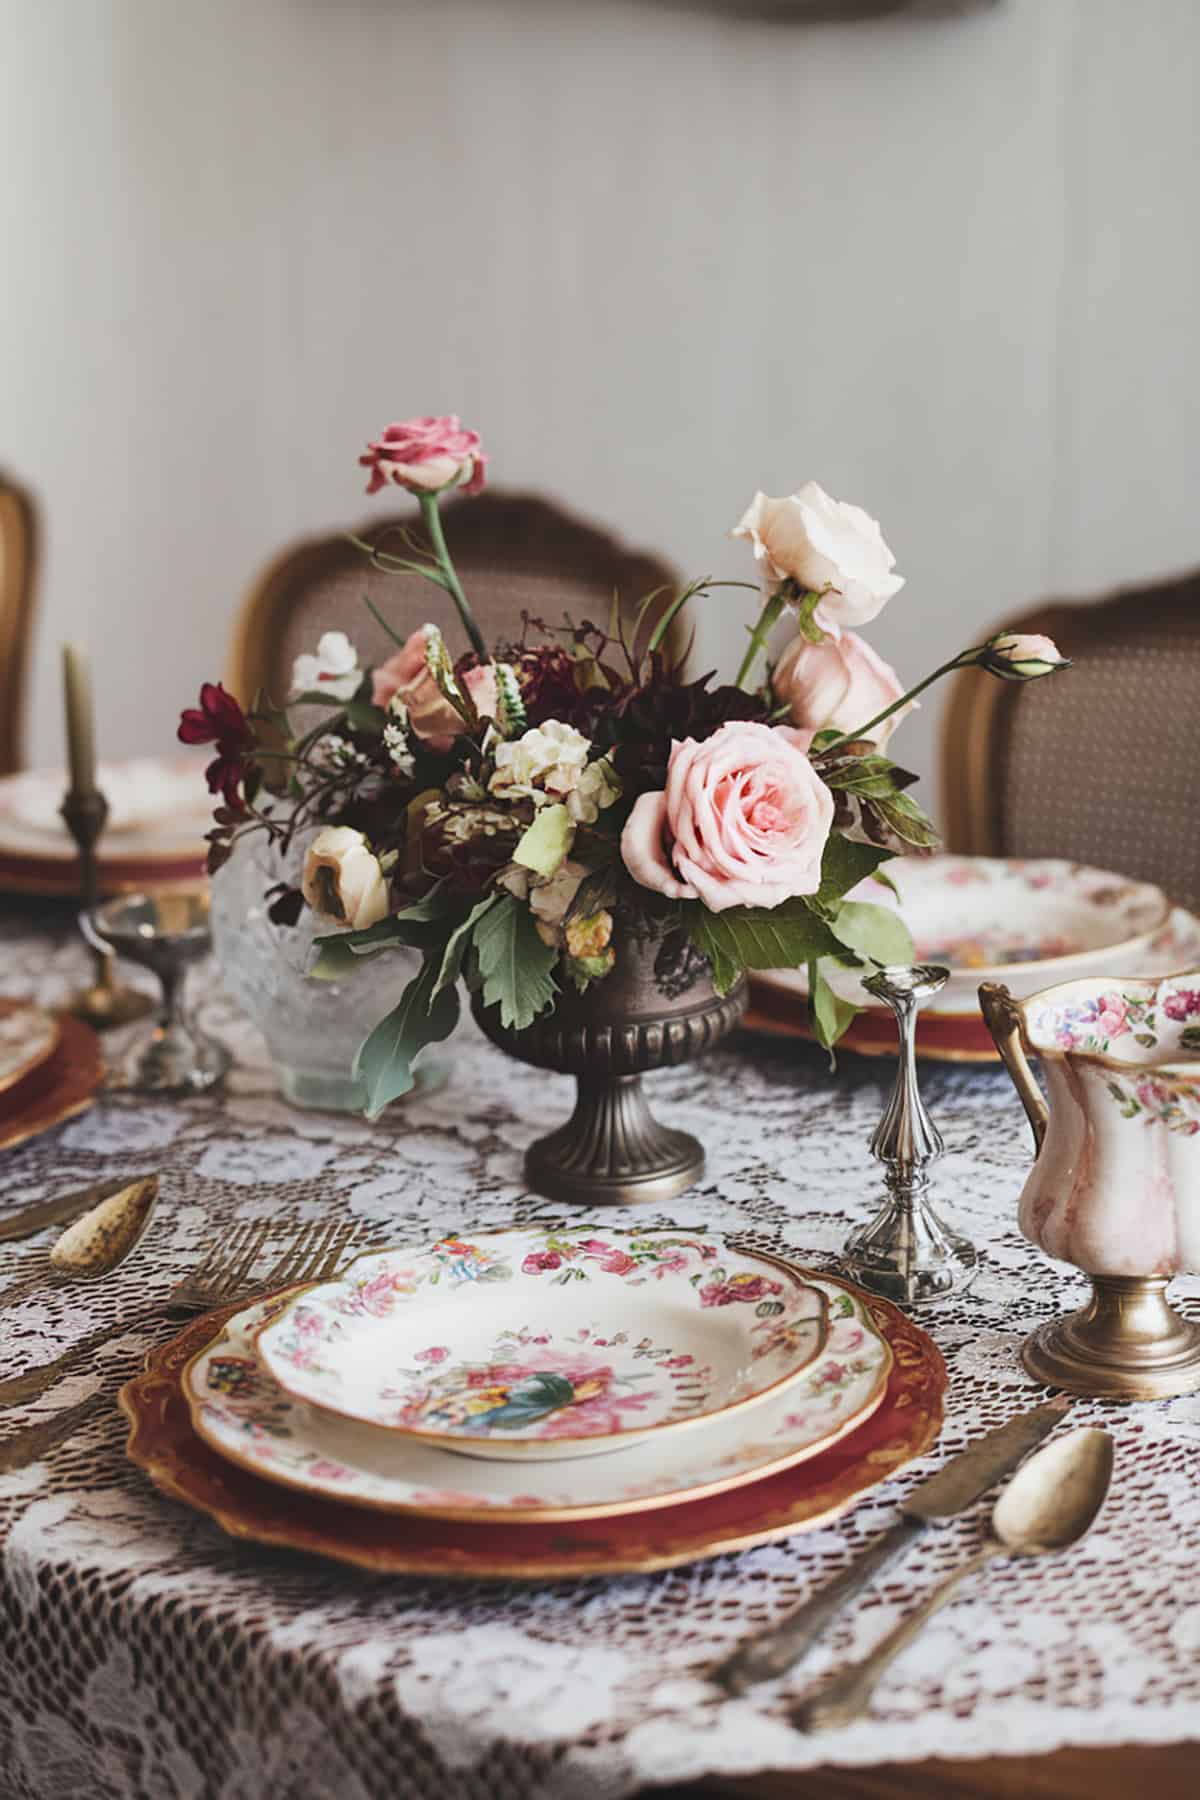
pixel 874 931
pixel 384 1062
pixel 831 1015
pixel 416 926
pixel 544 845
pixel 905 819
pixel 758 937
pixel 844 864
pixel 458 942
pixel 515 966
pixel 365 717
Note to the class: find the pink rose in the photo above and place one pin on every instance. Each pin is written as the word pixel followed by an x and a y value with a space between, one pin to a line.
pixel 840 684
pixel 436 1353
pixel 1182 1004
pixel 618 1263
pixel 537 1260
pixel 1110 1021
pixel 743 821
pixel 1021 656
pixel 425 455
pixel 405 676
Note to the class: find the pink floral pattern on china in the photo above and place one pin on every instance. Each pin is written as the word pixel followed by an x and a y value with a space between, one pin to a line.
pixel 242 1413
pixel 472 1341
pixel 1150 1026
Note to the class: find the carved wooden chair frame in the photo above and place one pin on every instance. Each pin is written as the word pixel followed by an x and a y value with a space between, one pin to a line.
pixel 18 567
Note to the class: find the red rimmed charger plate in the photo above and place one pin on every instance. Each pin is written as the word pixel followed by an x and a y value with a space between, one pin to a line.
pixel 162 1442
pixel 57 1089
pixel 943 1037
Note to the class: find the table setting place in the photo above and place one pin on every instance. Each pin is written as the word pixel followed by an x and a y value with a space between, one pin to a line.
pixel 382 1387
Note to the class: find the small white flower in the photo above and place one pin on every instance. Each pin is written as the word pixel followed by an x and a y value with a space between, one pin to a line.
pixel 396 738
pixel 598 787
pixel 333 670
pixel 339 753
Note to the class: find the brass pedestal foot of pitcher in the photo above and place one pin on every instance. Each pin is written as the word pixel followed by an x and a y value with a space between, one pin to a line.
pixel 1127 1343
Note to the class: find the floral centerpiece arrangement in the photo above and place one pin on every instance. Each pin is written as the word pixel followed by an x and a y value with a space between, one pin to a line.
pixel 521 812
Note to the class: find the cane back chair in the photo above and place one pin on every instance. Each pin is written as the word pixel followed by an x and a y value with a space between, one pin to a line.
pixel 515 553
pixel 18 545
pixel 1099 764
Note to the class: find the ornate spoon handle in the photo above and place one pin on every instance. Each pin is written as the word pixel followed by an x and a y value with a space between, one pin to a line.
pixel 848 1694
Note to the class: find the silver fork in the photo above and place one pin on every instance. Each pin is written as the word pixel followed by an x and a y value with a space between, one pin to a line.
pixel 221 1277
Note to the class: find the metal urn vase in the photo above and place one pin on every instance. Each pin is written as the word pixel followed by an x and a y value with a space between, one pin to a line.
pixel 657 1008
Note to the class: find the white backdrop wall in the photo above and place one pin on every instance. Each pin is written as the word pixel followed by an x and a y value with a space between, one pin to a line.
pixel 659 255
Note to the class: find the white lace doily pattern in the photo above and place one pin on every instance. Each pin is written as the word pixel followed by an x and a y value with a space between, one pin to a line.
pixel 142 1653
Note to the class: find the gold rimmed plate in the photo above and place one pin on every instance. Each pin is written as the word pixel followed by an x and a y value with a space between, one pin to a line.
pixel 536 1345
pixel 243 1415
pixel 29 1036
pixel 164 1444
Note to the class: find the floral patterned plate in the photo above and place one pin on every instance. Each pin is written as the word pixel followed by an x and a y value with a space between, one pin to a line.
pixel 1026 923
pixel 539 1344
pixel 181 1465
pixel 238 1410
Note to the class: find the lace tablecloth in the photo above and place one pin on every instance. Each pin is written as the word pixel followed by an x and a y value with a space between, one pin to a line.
pixel 144 1653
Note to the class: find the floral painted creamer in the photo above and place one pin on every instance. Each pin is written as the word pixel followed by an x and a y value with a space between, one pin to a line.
pixel 1115 1189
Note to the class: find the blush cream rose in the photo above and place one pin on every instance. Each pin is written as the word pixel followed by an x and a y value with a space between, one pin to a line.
pixel 821 543
pixel 743 821
pixel 343 879
pixel 836 686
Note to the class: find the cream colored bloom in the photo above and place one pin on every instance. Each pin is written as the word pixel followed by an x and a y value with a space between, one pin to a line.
pixel 343 879
pixel 550 763
pixel 821 543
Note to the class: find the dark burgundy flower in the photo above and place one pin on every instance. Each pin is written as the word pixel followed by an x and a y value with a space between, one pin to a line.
pixel 220 720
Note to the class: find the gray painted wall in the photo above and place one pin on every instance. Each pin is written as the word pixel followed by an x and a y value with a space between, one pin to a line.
pixel 657 254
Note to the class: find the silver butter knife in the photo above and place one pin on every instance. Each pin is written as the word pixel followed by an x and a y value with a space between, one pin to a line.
pixel 963 1480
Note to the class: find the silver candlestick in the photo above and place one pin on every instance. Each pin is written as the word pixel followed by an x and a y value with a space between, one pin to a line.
pixel 907 1253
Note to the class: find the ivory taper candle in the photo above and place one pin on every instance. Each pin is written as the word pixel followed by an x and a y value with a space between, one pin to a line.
pixel 81 732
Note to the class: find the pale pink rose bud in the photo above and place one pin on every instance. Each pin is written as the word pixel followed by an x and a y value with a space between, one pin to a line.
pixel 343 879
pixel 406 676
pixel 818 542
pixel 743 821
pixel 1021 656
pixel 426 455
pixel 838 685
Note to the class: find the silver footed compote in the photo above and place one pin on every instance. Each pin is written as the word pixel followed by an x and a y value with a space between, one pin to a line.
pixel 907 1253
pixel 165 932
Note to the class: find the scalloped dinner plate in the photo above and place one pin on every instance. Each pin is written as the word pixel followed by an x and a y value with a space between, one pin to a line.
pixel 538 1345
pixel 239 1411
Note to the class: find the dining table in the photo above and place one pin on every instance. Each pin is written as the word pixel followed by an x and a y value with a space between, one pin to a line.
pixel 143 1652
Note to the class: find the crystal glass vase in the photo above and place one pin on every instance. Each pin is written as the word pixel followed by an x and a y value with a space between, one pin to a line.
pixel 312 1028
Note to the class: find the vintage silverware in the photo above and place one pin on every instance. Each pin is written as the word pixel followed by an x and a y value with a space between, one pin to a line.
pixel 955 1487
pixel 96 1243
pixel 222 1277
pixel 32 1219
pixel 907 1253
pixel 1047 1507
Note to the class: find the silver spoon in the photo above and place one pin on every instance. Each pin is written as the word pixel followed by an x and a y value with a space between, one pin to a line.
pixel 1048 1505
pixel 96 1243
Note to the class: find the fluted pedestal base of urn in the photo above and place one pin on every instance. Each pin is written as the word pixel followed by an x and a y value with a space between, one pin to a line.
pixel 1127 1343
pixel 655 1010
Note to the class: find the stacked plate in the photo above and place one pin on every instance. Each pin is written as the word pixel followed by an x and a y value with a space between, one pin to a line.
pixel 50 1069
pixel 1027 922
pixel 159 811
pixel 543 1378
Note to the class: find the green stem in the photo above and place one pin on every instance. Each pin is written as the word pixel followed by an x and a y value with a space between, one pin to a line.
pixel 962 661
pixel 681 599
pixel 433 525
pixel 767 620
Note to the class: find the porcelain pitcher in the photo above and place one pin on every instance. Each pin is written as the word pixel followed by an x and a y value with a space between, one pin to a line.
pixel 1115 1188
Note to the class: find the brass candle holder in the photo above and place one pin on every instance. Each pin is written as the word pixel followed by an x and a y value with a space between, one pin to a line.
pixel 103 1004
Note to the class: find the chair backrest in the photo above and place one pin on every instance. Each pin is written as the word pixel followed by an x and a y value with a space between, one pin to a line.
pixel 514 553
pixel 1099 764
pixel 18 549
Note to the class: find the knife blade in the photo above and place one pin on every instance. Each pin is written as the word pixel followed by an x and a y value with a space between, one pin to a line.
pixel 951 1490
pixel 59 1211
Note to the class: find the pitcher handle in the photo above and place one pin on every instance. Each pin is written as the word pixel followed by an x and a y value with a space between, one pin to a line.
pixel 1002 1016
